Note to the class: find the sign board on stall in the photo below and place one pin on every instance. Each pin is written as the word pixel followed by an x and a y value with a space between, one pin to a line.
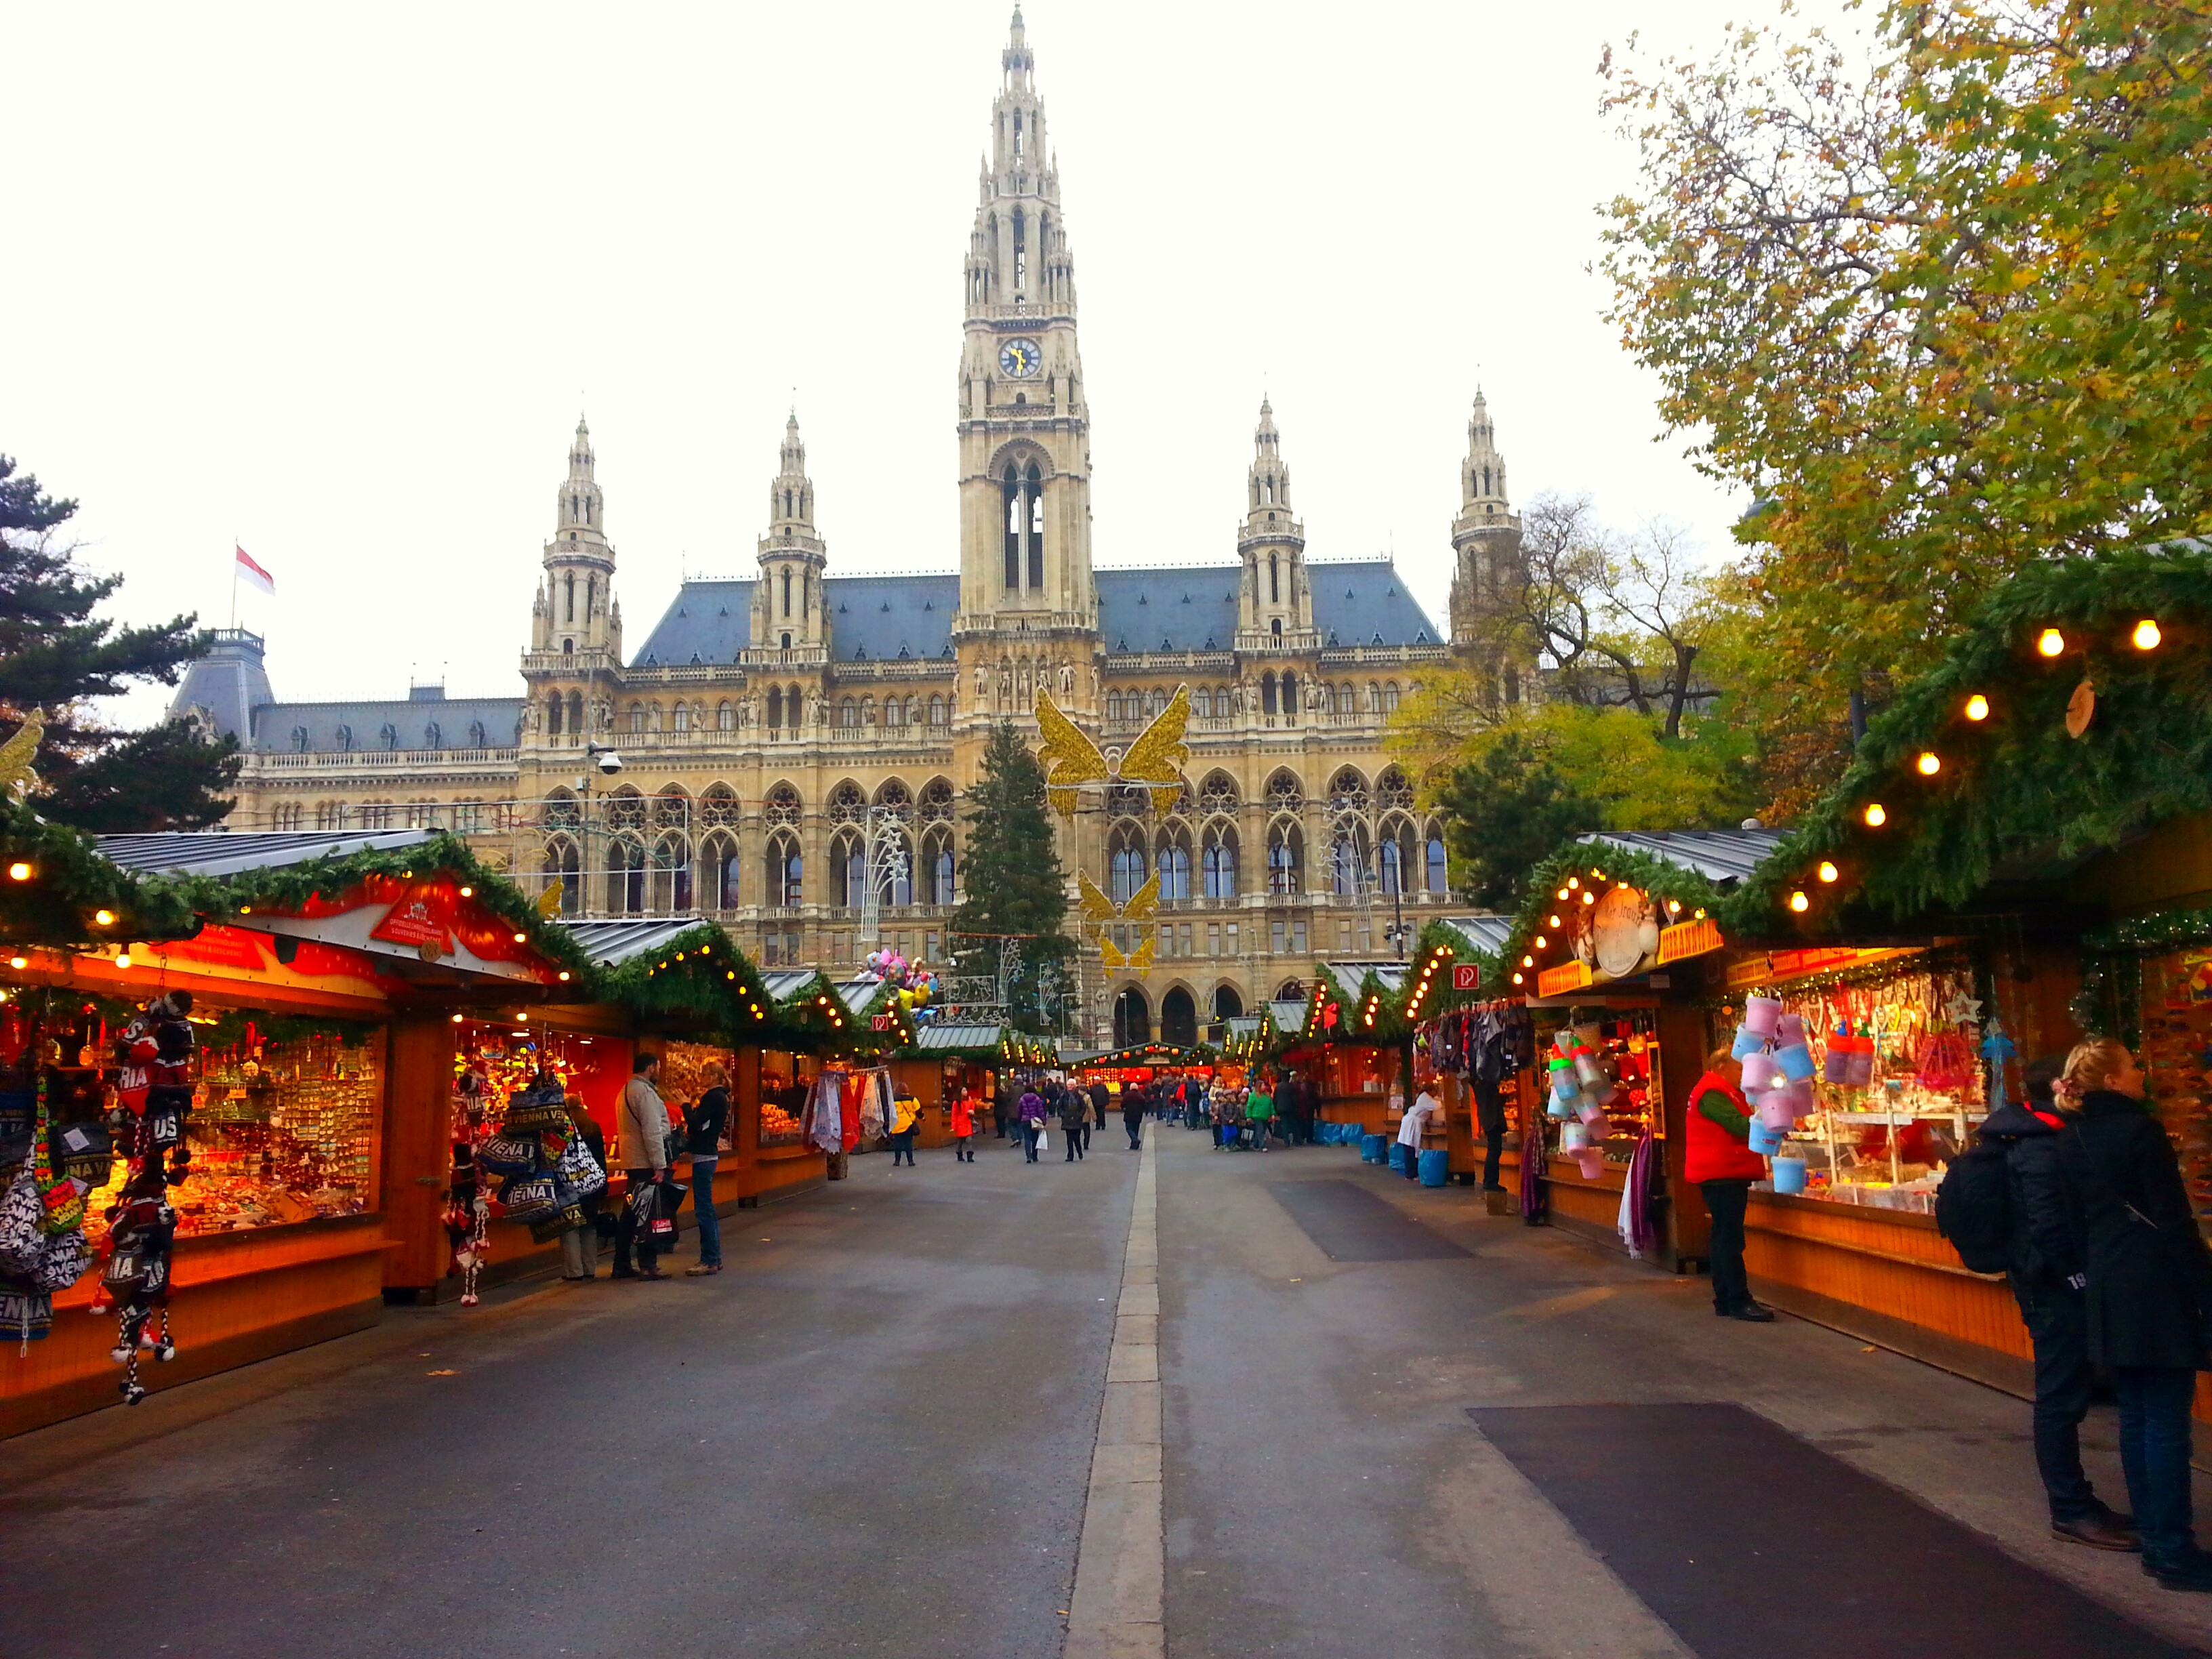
pixel 1567 977
pixel 1795 965
pixel 883 1021
pixel 1689 938
pixel 1467 976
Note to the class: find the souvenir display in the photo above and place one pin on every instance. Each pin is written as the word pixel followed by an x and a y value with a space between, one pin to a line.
pixel 1866 1088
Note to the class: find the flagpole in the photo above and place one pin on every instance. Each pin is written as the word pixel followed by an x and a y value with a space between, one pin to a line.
pixel 233 584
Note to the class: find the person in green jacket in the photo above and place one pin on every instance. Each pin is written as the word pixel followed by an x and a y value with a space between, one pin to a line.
pixel 1260 1113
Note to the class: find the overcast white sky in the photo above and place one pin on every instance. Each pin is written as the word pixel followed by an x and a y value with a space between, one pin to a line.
pixel 335 283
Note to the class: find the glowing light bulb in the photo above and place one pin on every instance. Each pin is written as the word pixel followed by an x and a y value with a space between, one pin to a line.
pixel 1930 763
pixel 468 892
pixel 1556 922
pixel 2146 637
pixel 2050 642
pixel 19 871
pixel 1589 898
pixel 1517 979
pixel 1799 902
pixel 103 918
pixel 1527 962
pixel 1875 815
pixel 1828 871
pixel 1978 707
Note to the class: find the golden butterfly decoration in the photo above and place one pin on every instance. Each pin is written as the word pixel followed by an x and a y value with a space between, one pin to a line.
pixel 17 780
pixel 1155 760
pixel 1102 913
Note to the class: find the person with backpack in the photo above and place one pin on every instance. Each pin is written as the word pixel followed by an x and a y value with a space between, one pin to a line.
pixel 2111 1216
pixel 1982 1208
pixel 1720 1164
pixel 1074 1113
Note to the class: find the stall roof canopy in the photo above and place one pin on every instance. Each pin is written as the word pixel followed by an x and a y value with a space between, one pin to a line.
pixel 785 983
pixel 1486 933
pixel 957 1039
pixel 1348 977
pixel 1721 856
pixel 1289 1013
pixel 220 853
pixel 611 944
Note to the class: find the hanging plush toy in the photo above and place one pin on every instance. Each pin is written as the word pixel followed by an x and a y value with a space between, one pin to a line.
pixel 142 1233
pixel 154 1083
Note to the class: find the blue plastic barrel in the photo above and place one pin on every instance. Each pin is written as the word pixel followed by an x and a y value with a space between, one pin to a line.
pixel 1398 1153
pixel 1435 1167
pixel 1373 1149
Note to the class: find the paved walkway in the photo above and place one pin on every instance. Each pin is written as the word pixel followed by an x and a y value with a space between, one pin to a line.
pixel 1193 1403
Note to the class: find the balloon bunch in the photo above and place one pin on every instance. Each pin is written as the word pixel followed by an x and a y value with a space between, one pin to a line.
pixel 1583 1083
pixel 1777 1070
pixel 914 984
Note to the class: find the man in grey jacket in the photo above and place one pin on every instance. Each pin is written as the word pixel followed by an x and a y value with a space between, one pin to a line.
pixel 641 1130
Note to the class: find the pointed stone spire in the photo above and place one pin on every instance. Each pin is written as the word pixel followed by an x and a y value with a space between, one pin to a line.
pixel 579 516
pixel 1270 479
pixel 1482 479
pixel 1019 254
pixel 1275 607
pixel 788 625
pixel 791 497
pixel 575 610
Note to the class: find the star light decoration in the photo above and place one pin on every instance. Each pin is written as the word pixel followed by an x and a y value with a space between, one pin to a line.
pixel 1963 1010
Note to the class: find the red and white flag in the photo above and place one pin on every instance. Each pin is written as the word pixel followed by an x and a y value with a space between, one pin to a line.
pixel 251 574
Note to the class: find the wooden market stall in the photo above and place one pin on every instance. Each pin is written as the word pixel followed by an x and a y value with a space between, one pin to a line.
pixel 2020 854
pixel 946 1060
pixel 295 992
pixel 1352 1046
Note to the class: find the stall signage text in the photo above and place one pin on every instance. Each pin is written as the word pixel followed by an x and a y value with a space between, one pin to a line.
pixel 1794 964
pixel 1689 938
pixel 1567 977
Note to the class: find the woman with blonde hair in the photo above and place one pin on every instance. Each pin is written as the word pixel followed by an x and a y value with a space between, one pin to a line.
pixel 2114 1219
pixel 703 1130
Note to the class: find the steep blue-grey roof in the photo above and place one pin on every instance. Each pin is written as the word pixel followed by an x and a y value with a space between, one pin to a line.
pixel 228 683
pixel 1367 604
pixel 882 618
pixel 277 725
pixel 1182 608
pixel 1193 608
pixel 871 619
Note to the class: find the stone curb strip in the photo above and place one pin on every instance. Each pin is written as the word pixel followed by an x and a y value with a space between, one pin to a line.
pixel 1120 1569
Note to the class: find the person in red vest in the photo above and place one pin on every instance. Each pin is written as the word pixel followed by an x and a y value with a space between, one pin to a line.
pixel 1722 1165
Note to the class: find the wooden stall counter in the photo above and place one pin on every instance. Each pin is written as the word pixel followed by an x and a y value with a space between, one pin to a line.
pixel 785 1172
pixel 237 1297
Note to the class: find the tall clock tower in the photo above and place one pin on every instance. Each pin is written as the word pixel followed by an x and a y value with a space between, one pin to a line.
pixel 1025 433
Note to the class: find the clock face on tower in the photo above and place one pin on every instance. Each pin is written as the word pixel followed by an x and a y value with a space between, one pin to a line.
pixel 1020 359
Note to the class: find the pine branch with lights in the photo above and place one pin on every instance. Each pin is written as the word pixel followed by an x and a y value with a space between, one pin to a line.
pixel 2075 712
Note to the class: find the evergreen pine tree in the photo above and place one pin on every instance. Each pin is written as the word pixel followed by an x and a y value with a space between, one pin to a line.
pixel 1012 883
pixel 55 656
pixel 1505 814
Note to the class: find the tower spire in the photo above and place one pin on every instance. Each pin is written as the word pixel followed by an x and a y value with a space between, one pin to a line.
pixel 1275 607
pixel 787 611
pixel 574 612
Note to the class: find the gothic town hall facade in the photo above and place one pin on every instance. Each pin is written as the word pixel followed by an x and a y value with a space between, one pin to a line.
pixel 795 746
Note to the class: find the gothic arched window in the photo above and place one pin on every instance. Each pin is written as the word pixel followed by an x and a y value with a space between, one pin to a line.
pixel 775 707
pixel 554 705
pixel 1012 491
pixel 1036 527
pixel 1174 864
pixel 1274 583
pixel 787 592
pixel 1268 693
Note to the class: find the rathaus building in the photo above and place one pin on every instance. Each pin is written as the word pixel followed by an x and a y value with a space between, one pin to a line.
pixel 795 745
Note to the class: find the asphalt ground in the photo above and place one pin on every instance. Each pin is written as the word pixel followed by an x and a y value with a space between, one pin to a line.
pixel 874 1435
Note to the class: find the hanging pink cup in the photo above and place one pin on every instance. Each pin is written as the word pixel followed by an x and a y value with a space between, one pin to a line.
pixel 1760 1071
pixel 1798 1097
pixel 1790 1028
pixel 1774 1110
pixel 1592 1160
pixel 1761 1013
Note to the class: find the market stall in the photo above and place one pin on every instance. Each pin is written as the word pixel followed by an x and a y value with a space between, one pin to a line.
pixel 216 1047
pixel 1609 953
pixel 2020 852
pixel 945 1062
pixel 1352 1048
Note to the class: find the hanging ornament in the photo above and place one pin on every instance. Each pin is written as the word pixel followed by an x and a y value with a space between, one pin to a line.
pixel 2081 707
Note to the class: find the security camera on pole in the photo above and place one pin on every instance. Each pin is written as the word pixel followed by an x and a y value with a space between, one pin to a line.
pixel 608 764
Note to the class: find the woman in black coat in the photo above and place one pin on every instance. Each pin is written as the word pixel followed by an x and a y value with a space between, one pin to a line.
pixel 2113 1217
